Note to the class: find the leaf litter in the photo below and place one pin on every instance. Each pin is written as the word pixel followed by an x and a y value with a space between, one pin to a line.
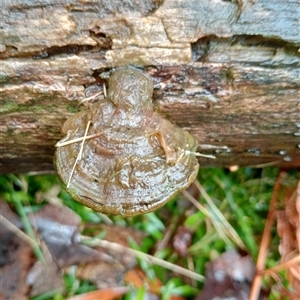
pixel 58 232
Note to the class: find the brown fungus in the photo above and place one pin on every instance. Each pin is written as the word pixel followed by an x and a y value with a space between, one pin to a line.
pixel 121 157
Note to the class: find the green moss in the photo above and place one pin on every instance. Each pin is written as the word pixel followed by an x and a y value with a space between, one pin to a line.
pixel 37 104
pixel 4 78
pixel 9 132
pixel 228 75
pixel 72 107
pixel 8 106
pixel 24 134
pixel 37 108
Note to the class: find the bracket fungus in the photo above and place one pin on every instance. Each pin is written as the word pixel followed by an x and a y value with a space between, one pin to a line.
pixel 122 157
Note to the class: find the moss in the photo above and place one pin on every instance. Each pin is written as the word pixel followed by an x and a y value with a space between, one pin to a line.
pixel 228 75
pixel 37 104
pixel 4 78
pixel 72 107
pixel 9 132
pixel 24 134
pixel 43 96
pixel 8 106
pixel 37 108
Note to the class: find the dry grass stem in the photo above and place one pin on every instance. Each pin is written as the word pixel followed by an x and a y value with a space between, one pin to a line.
pixel 77 140
pixel 18 232
pixel 144 256
pixel 202 155
pixel 216 223
pixel 167 234
pixel 91 97
pixel 191 267
pixel 228 229
pixel 79 156
pixel 104 90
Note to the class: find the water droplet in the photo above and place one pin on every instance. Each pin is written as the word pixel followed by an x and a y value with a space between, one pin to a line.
pixel 282 152
pixel 213 134
pixel 288 132
pixel 297 134
pixel 254 151
pixel 298 125
pixel 287 158
pixel 298 145
pixel 260 205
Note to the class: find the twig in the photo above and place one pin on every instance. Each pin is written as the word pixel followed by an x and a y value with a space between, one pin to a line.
pixel 282 266
pixel 168 151
pixel 298 211
pixel 256 285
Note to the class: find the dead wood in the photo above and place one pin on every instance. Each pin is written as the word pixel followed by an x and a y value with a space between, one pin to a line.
pixel 228 72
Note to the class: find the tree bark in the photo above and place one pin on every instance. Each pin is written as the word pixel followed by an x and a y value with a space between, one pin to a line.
pixel 228 72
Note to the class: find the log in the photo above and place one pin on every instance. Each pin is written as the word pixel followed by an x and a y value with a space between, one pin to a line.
pixel 228 72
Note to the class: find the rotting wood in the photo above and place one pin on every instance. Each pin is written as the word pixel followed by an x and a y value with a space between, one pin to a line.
pixel 228 72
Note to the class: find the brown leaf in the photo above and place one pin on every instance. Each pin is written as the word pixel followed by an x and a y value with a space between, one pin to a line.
pixel 110 273
pixel 103 274
pixel 59 228
pixel 119 235
pixel 16 259
pixel 288 228
pixel 229 276
pixel 45 276
pixel 182 240
pixel 138 279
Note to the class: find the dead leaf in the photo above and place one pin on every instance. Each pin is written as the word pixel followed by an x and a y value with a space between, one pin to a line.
pixel 16 259
pixel 182 240
pixel 138 279
pixel 107 274
pixel 45 276
pixel 59 228
pixel 119 235
pixel 288 229
pixel 229 276
pixel 103 274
